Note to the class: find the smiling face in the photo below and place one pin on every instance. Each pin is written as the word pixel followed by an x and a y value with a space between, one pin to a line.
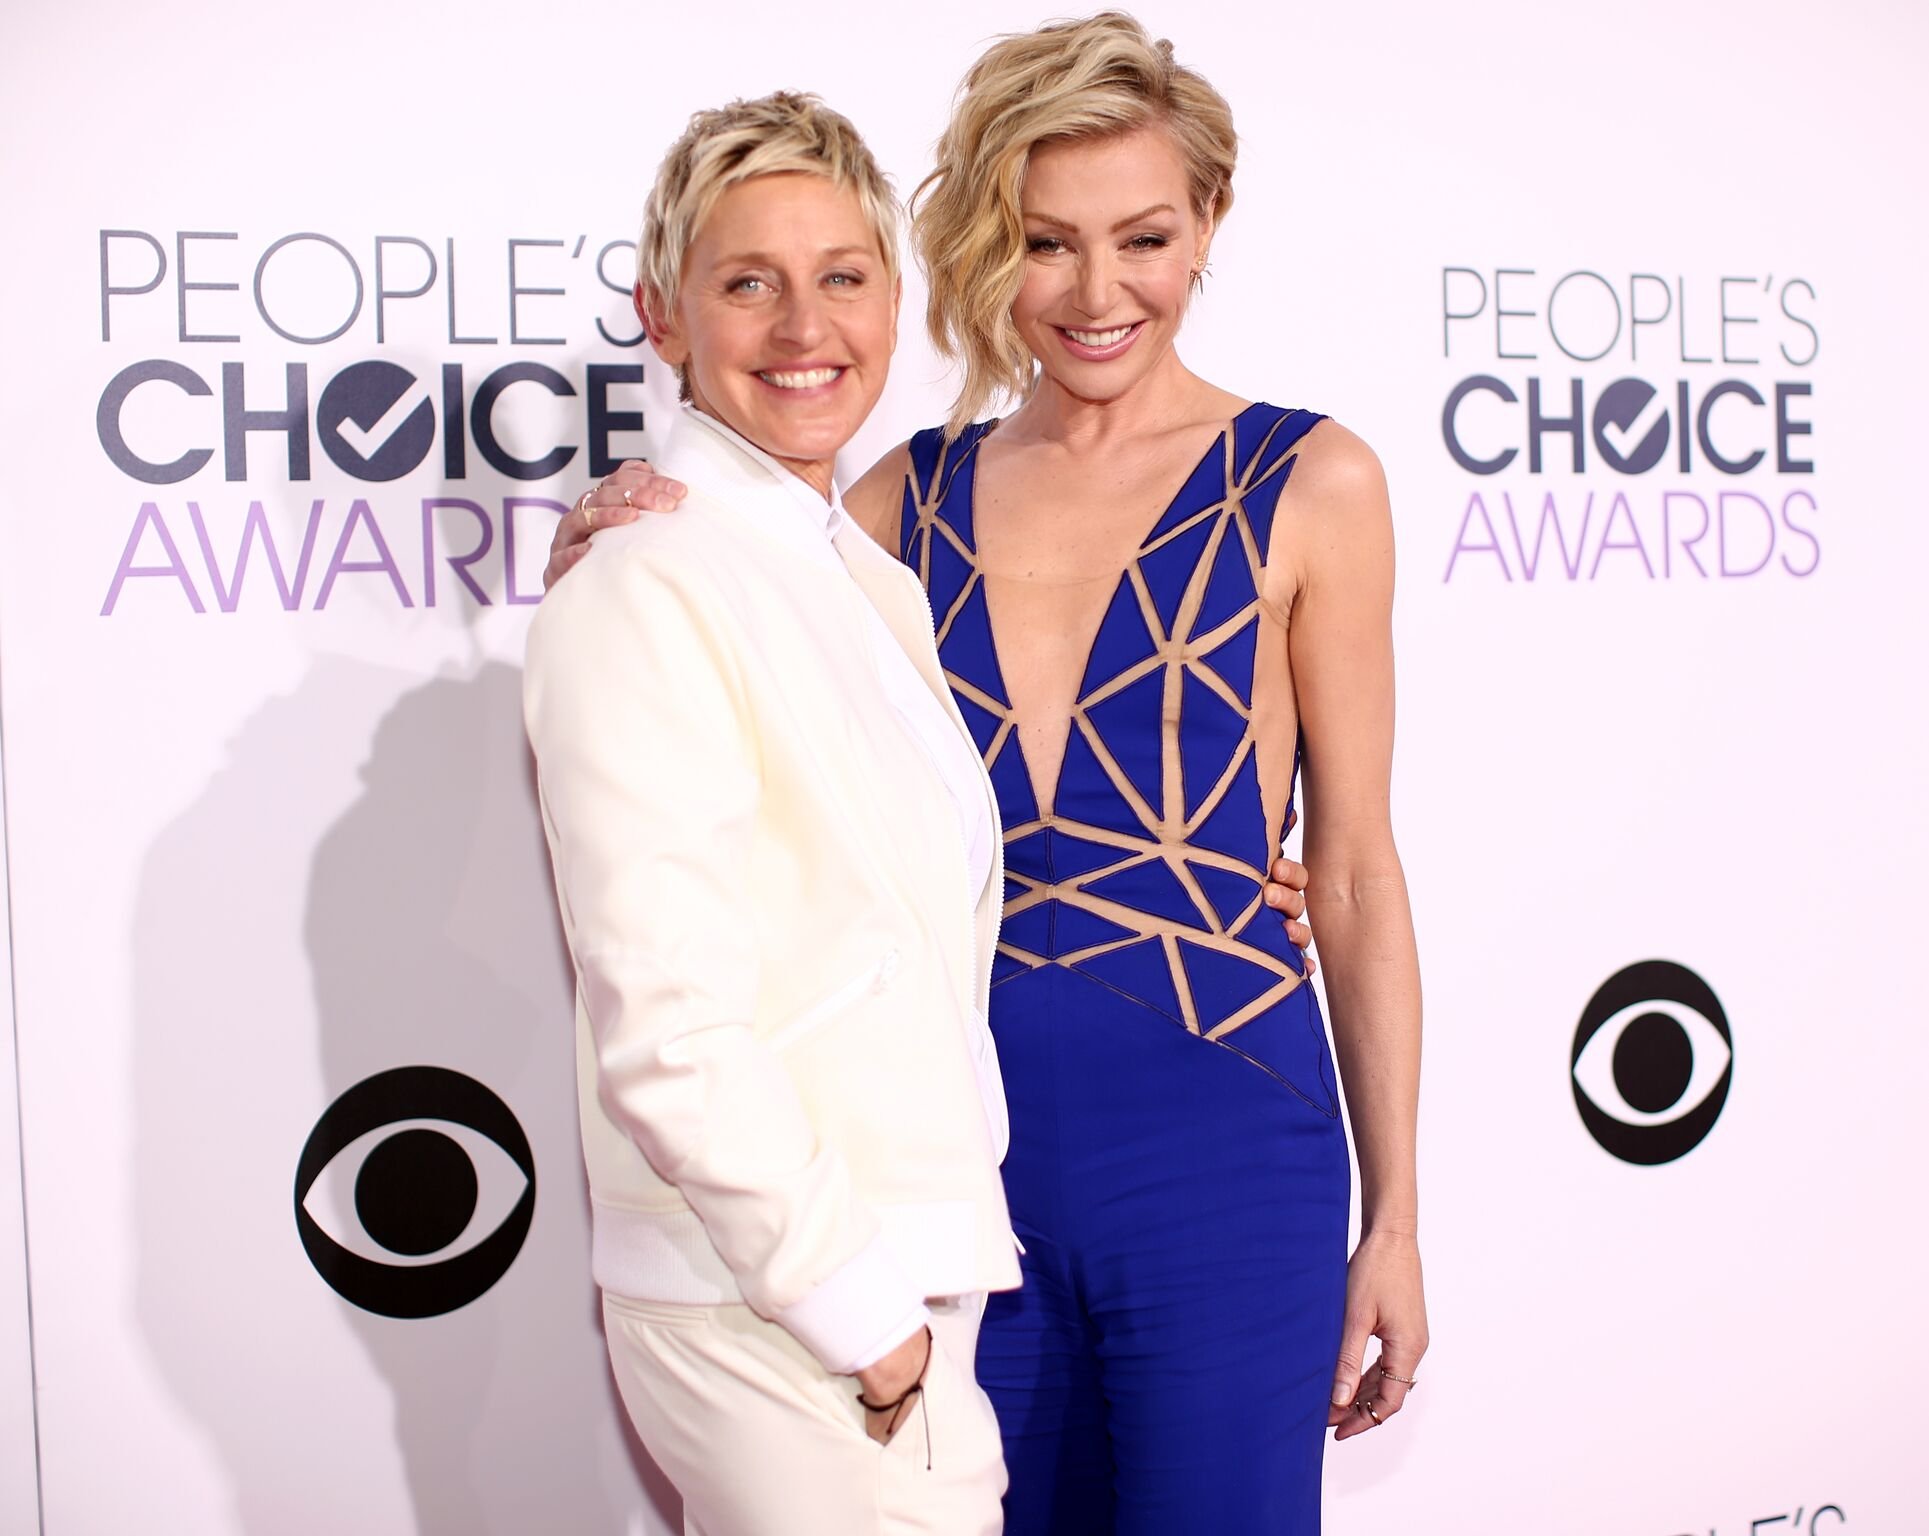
pixel 1111 245
pixel 786 317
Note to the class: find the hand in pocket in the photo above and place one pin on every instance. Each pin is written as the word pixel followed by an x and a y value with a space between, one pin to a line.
pixel 892 1386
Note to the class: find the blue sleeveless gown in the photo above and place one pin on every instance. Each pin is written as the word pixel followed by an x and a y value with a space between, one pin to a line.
pixel 1178 1169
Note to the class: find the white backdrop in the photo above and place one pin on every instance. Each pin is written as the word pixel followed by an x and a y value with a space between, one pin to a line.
pixel 271 833
pixel 19 1495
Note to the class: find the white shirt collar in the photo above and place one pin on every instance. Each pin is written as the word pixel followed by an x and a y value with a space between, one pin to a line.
pixel 815 514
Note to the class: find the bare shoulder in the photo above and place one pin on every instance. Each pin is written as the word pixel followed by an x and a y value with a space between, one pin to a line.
pixel 874 501
pixel 1339 472
pixel 1335 526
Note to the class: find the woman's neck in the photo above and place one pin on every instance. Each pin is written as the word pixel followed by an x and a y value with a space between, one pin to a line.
pixel 818 474
pixel 1168 395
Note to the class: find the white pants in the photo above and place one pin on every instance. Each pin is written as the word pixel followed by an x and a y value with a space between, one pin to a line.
pixel 761 1441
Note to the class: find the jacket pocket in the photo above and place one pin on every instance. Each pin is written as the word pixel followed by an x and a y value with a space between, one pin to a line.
pixel 872 979
pixel 951 1430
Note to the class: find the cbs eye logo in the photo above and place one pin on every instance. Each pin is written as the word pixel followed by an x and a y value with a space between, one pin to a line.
pixel 415 1192
pixel 1652 1062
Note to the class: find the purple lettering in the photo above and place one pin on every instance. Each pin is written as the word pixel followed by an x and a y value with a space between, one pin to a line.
pixel 510 506
pixel 1721 536
pixel 1800 532
pixel 339 564
pixel 1620 505
pixel 228 595
pixel 1668 499
pixel 175 567
pixel 458 563
pixel 1550 513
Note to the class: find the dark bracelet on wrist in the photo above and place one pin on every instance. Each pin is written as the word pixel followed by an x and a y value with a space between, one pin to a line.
pixel 897 1402
pixel 909 1392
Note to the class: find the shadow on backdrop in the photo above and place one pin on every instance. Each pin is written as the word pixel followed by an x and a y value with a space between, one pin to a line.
pixel 429 936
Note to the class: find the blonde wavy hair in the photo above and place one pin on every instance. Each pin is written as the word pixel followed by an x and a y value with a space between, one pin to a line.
pixel 1068 80
pixel 784 133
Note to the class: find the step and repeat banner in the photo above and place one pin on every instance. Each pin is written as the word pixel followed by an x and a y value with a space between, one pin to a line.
pixel 318 319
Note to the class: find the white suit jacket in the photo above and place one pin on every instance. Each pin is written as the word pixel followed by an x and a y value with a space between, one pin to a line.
pixel 782 974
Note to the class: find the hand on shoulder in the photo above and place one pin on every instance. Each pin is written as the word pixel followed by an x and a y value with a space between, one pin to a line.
pixel 619 497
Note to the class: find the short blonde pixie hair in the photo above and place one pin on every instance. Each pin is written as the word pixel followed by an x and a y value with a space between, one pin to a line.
pixel 784 133
pixel 1068 80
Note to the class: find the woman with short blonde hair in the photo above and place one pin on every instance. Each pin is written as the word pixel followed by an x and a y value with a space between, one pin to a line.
pixel 791 1112
pixel 782 134
pixel 1156 600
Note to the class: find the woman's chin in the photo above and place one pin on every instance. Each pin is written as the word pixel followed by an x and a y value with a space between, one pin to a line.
pixel 802 429
pixel 1094 383
pixel 786 440
pixel 811 423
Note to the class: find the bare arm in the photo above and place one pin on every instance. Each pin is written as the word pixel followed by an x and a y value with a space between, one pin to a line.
pixel 877 499
pixel 1340 639
pixel 634 488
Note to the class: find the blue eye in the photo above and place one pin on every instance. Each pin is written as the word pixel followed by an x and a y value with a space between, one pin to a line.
pixel 745 284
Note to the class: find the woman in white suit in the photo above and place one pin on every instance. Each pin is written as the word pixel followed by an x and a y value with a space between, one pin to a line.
pixel 777 858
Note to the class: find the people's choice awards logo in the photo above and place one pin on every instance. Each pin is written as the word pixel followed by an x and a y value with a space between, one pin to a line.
pixel 1630 426
pixel 1622 404
pixel 415 1192
pixel 1652 1062
pixel 374 421
pixel 347 411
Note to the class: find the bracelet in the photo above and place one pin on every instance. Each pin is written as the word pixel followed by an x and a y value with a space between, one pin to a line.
pixel 909 1392
pixel 897 1402
pixel 895 1407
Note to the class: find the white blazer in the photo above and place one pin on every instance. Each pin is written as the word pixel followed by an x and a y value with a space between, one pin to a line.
pixel 782 977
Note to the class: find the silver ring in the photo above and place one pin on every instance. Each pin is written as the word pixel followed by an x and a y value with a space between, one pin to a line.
pixel 626 497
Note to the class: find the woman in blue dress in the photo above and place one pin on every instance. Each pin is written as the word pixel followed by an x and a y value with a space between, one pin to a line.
pixel 1156 603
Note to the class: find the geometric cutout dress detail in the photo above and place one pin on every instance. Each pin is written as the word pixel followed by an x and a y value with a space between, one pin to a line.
pixel 1146 874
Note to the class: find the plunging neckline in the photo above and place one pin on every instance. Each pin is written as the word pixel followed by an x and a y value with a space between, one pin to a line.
pixel 1220 445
